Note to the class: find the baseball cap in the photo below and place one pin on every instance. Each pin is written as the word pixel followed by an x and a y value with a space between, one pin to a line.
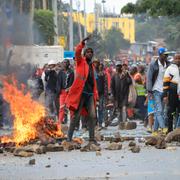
pixel 162 50
pixel 51 62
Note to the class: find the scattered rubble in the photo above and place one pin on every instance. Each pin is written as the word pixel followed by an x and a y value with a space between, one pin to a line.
pixel 41 150
pixel 39 147
pixel 54 147
pixel 114 146
pixel 48 166
pixel 32 162
pixel 158 142
pixel 98 153
pixel 132 143
pixel 128 138
pixel 90 147
pixel 152 141
pixel 173 136
pixel 127 125
pixel 135 149
pixel 68 146
pixel 161 144
pixel 22 153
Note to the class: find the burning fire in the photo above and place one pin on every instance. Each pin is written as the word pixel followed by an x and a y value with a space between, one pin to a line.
pixel 26 112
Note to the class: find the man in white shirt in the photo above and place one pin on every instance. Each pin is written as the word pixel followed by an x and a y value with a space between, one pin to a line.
pixel 171 91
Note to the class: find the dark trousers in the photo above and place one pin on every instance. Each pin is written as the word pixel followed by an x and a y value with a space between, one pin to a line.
pixel 50 98
pixel 142 109
pixel 86 101
pixel 173 108
pixel 122 117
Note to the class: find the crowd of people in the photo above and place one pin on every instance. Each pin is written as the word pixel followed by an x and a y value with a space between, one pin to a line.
pixel 92 92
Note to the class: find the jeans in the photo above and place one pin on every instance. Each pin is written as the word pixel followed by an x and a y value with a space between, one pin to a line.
pixel 173 109
pixel 101 110
pixel 178 122
pixel 87 101
pixel 158 110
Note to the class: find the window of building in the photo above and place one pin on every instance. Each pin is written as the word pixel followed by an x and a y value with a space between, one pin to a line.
pixel 123 24
pixel 115 24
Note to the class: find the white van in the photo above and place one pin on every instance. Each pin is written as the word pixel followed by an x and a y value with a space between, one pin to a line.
pixel 36 55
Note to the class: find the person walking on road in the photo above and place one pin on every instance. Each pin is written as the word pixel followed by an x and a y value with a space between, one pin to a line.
pixel 120 83
pixel 155 76
pixel 171 85
pixel 65 80
pixel 82 95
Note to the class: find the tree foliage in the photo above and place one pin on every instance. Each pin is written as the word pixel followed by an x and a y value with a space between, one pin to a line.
pixel 114 41
pixel 108 45
pixel 129 8
pixel 154 7
pixel 97 43
pixel 45 25
pixel 159 28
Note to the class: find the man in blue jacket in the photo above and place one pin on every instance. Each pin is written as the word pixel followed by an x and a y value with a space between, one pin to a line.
pixel 155 76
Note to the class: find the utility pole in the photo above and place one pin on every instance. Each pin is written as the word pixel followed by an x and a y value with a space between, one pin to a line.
pixel 85 25
pixel 54 7
pixel 96 15
pixel 31 36
pixel 21 6
pixel 71 27
pixel 78 19
pixel 44 4
pixel 103 2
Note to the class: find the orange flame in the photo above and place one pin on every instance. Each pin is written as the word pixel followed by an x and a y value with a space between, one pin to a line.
pixel 26 112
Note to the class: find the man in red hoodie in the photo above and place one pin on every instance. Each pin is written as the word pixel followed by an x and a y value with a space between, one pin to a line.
pixel 82 95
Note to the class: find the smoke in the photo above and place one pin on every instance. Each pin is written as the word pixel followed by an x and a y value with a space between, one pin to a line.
pixel 16 29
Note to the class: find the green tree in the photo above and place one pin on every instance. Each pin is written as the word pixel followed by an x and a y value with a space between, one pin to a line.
pixel 114 41
pixel 154 7
pixel 45 25
pixel 97 43
pixel 129 8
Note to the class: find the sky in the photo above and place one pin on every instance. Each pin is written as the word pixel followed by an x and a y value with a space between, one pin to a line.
pixel 110 5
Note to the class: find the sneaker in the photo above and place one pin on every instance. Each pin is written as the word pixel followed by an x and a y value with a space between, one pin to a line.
pixel 154 133
pixel 165 131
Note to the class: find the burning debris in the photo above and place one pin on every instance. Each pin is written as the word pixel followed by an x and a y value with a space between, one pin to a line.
pixel 30 123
